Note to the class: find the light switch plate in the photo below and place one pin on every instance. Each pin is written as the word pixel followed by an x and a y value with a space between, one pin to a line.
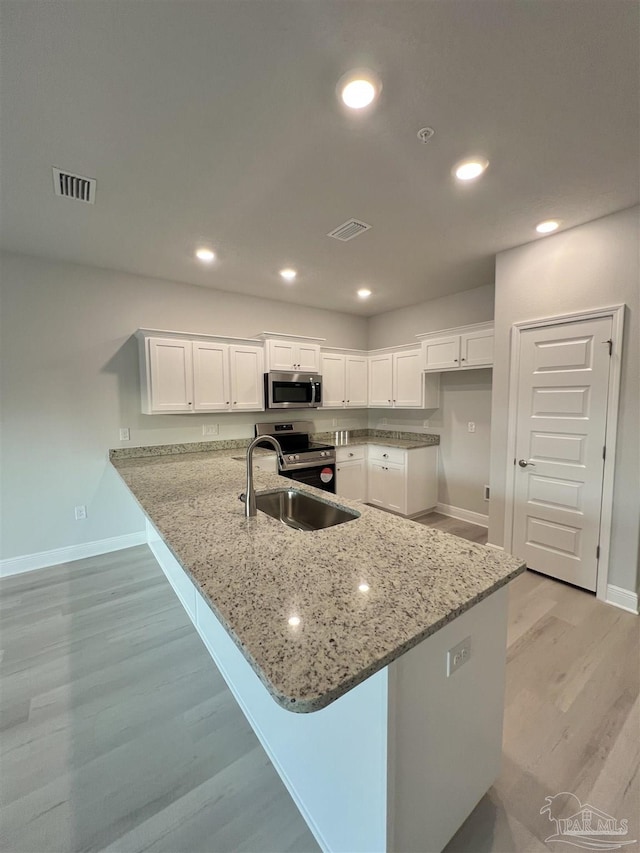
pixel 125 434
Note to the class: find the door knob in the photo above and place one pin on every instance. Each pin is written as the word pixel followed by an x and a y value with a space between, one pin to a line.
pixel 523 463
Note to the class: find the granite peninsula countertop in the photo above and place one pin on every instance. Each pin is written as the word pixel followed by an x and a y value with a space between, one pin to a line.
pixel 256 573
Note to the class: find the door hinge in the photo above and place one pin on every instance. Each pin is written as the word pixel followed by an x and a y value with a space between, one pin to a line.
pixel 604 452
pixel 610 342
pixel 598 553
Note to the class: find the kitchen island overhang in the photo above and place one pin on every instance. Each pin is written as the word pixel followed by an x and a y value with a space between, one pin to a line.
pixel 377 768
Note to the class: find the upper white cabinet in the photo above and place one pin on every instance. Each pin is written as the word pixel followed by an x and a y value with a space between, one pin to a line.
pixel 344 380
pixel 396 380
pixel 199 375
pixel 462 348
pixel 287 356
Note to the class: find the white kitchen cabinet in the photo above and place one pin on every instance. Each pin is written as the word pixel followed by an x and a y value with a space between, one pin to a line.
pixel 211 377
pixel 199 375
pixel 404 481
pixel 344 381
pixel 397 380
pixel 351 473
pixel 458 349
pixel 246 368
pixel 170 369
pixel 292 356
pixel 381 380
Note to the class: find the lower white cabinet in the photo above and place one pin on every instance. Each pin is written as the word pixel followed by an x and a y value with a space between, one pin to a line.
pixel 351 473
pixel 404 481
pixel 199 375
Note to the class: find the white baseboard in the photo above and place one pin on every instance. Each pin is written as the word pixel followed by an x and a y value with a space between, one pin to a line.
pixel 463 514
pixel 495 547
pixel 623 598
pixel 30 562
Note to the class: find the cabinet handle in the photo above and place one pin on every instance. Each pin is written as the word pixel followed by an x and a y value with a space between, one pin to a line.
pixel 463 359
pixel 389 401
pixel 455 359
pixel 385 455
pixel 235 402
pixel 227 403
pixel 351 454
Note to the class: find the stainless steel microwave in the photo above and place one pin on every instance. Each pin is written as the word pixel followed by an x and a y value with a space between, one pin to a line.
pixel 292 390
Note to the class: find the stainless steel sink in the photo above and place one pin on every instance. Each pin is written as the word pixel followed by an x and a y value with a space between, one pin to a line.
pixel 302 510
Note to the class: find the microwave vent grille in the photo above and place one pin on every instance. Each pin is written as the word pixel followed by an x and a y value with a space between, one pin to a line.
pixel 348 230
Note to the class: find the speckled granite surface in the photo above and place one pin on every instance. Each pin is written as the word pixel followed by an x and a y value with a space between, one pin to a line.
pixel 387 438
pixel 256 573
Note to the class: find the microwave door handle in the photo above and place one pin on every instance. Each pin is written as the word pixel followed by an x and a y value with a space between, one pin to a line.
pixel 313 393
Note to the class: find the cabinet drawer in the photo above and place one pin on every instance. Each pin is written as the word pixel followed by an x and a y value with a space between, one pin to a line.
pixel 346 454
pixel 387 454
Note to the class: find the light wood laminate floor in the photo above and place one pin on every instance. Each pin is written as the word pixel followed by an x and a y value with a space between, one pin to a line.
pixel 118 733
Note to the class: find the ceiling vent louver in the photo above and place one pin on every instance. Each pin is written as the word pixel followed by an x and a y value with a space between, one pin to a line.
pixel 348 230
pixel 75 187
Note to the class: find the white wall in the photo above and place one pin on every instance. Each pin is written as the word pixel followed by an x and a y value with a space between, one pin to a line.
pixel 588 267
pixel 70 381
pixel 401 326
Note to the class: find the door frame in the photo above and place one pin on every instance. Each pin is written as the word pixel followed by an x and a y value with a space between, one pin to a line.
pixel 616 313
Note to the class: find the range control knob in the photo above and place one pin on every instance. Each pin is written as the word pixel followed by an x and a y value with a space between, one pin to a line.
pixel 296 456
pixel 291 457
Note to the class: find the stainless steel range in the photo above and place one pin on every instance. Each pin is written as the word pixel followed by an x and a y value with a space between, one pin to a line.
pixel 304 460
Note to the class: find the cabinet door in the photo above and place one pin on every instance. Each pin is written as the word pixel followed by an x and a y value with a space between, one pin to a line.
pixel 210 377
pixel 307 357
pixel 351 480
pixel 333 389
pixel 356 381
pixel 396 487
pixel 407 380
pixel 377 483
pixel 476 349
pixel 380 380
pixel 171 375
pixel 247 378
pixel 441 353
pixel 281 355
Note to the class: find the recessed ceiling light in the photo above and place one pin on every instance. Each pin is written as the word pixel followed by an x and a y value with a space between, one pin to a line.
pixel 547 226
pixel 288 274
pixel 294 621
pixel 205 255
pixel 358 89
pixel 364 587
pixel 468 170
pixel 364 293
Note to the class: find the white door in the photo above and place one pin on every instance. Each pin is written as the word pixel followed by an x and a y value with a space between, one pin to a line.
pixel 380 380
pixel 171 375
pixel 441 353
pixel 351 479
pixel 333 387
pixel 476 349
pixel 560 434
pixel 407 379
pixel 282 355
pixel 210 377
pixel 247 382
pixel 307 357
pixel 356 381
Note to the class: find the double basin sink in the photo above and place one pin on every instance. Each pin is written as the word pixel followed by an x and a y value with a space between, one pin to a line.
pixel 301 510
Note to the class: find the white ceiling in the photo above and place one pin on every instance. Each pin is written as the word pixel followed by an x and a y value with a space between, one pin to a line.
pixel 217 122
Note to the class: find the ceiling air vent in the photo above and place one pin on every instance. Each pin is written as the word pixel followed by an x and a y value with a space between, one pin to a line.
pixel 348 230
pixel 75 187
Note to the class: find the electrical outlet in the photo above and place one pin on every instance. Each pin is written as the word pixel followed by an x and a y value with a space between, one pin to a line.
pixel 210 429
pixel 81 513
pixel 471 426
pixel 125 434
pixel 458 655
